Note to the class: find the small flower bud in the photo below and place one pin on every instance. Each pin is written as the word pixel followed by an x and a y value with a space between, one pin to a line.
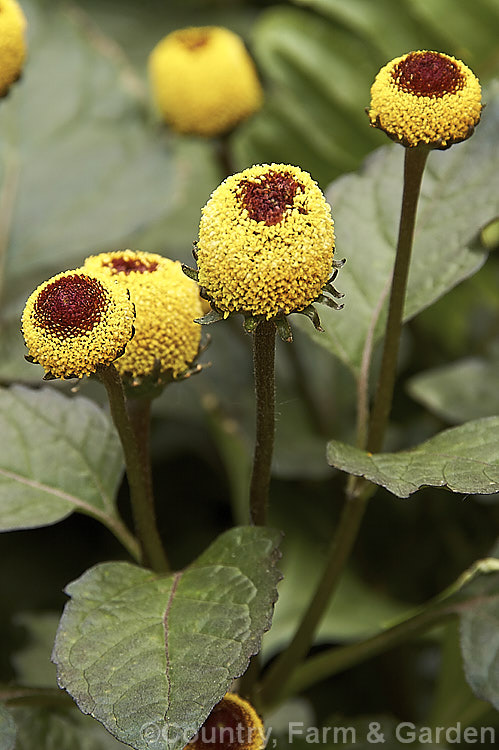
pixel 203 80
pixel 426 98
pixel 12 43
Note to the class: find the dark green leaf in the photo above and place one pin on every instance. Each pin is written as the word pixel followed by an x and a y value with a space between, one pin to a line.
pixel 463 459
pixel 462 391
pixel 480 639
pixel 144 653
pixel 460 194
pixel 59 455
pixel 41 729
pixel 7 730
pixel 32 663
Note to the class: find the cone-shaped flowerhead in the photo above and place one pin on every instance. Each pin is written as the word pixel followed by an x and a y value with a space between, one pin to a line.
pixel 166 303
pixel 12 43
pixel 426 98
pixel 233 724
pixel 75 322
pixel 266 242
pixel 203 80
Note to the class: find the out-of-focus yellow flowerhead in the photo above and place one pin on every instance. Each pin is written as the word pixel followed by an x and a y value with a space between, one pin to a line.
pixel 233 724
pixel 166 303
pixel 74 322
pixel 12 43
pixel 266 242
pixel 203 80
pixel 426 98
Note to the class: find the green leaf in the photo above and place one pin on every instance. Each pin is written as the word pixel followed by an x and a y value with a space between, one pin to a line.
pixel 480 639
pixel 469 29
pixel 463 459
pixel 459 196
pixel 59 455
pixel 459 392
pixel 318 78
pixel 41 729
pixel 7 730
pixel 386 25
pixel 144 653
pixel 32 664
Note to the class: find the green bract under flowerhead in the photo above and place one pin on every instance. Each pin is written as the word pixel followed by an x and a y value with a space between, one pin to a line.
pixel 74 322
pixel 426 98
pixel 166 303
pixel 203 80
pixel 266 242
pixel 12 43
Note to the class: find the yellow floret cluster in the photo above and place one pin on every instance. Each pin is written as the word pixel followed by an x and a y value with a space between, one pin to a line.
pixel 266 242
pixel 12 43
pixel 74 322
pixel 232 717
pixel 437 119
pixel 166 303
pixel 203 80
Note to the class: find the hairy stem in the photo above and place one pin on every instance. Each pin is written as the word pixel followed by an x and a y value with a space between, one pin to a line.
pixel 415 160
pixel 264 364
pixel 138 474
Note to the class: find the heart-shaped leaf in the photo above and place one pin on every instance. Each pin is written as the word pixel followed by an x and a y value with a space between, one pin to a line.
pixel 463 459
pixel 149 655
pixel 59 455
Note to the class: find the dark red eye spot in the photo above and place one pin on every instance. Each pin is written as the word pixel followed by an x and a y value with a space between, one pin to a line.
pixel 70 305
pixel 428 74
pixel 268 199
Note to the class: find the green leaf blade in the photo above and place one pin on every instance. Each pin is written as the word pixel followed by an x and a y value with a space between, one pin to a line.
pixel 136 650
pixel 463 459
pixel 39 428
pixel 7 730
pixel 480 638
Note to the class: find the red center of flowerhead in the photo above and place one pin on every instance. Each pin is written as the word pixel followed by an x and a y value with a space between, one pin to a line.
pixel 71 305
pixel 127 265
pixel 267 199
pixel 193 39
pixel 428 74
pixel 226 728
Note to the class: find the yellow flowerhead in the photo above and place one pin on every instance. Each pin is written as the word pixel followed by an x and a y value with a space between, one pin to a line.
pixel 266 242
pixel 233 724
pixel 426 98
pixel 12 43
pixel 203 80
pixel 74 322
pixel 166 303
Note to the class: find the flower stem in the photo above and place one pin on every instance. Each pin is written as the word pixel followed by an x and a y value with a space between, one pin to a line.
pixel 264 364
pixel 138 474
pixel 415 160
pixel 359 492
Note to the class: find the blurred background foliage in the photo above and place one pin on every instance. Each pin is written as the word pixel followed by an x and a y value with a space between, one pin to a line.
pixel 86 167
